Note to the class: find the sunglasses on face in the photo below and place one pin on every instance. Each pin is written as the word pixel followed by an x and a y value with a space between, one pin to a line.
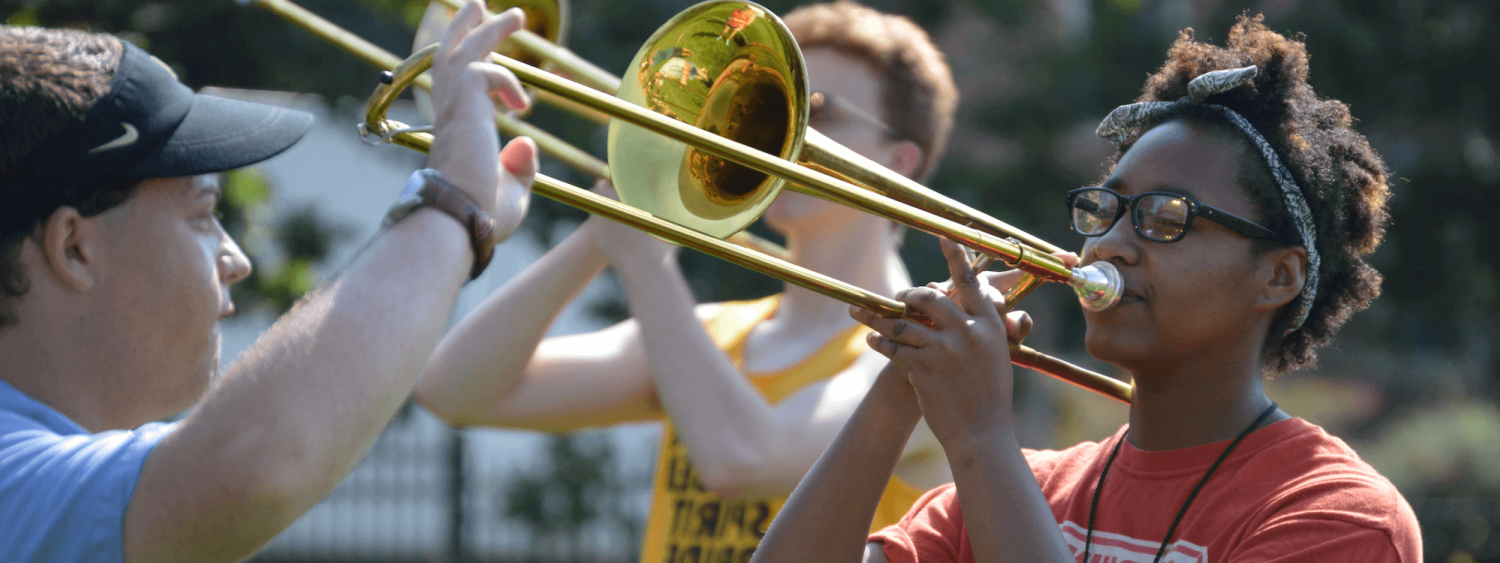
pixel 1157 216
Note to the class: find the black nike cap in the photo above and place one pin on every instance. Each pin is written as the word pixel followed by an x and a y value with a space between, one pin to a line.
pixel 149 125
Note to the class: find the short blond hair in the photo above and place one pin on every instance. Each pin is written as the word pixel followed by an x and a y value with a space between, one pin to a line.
pixel 918 94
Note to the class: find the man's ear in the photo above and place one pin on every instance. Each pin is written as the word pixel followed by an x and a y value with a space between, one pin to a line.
pixel 1284 271
pixel 906 156
pixel 71 246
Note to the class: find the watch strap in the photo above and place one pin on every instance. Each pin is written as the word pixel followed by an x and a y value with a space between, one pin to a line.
pixel 436 192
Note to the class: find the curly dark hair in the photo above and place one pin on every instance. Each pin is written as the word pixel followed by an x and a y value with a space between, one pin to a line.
pixel 1344 180
pixel 49 78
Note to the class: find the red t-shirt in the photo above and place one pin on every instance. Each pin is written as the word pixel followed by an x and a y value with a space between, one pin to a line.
pixel 1288 492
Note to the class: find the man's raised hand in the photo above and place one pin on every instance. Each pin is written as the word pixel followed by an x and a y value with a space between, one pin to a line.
pixel 465 87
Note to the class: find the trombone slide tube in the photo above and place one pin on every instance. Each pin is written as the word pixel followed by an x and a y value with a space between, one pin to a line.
pixel 599 205
pixel 791 273
pixel 827 156
pixel 809 181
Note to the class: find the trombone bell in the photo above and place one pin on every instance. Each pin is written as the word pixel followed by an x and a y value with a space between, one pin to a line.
pixel 734 31
pixel 726 68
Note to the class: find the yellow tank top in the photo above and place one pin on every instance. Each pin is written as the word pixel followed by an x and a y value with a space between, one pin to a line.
pixel 688 524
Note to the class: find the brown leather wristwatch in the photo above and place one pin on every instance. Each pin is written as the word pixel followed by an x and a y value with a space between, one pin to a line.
pixel 427 187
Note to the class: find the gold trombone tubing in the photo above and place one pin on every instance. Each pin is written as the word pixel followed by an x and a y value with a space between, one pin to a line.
pixel 578 68
pixel 410 72
pixel 818 153
pixel 1014 250
pixel 1014 253
pixel 382 59
pixel 507 123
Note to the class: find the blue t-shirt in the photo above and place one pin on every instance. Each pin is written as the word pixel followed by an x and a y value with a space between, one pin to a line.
pixel 63 491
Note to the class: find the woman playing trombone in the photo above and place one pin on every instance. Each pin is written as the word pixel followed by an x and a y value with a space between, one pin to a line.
pixel 1238 210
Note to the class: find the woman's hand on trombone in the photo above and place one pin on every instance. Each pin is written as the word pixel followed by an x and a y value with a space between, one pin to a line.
pixel 960 366
pixel 961 373
pixel 465 88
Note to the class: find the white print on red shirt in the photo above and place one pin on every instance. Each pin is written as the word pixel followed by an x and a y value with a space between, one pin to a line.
pixel 1117 548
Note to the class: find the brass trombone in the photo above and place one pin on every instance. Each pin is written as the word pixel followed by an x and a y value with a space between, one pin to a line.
pixel 720 185
pixel 675 59
pixel 546 22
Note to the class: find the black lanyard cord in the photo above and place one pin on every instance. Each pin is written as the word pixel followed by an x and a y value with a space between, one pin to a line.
pixel 1088 541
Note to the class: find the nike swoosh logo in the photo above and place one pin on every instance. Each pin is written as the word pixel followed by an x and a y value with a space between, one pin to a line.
pixel 125 140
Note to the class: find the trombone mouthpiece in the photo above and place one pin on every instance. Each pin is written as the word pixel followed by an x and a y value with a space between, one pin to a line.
pixel 1098 285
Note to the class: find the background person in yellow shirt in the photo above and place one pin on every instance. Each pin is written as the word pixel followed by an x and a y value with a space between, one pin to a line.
pixel 753 391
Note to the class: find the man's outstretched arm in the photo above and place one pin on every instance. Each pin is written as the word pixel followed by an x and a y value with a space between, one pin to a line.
pixel 295 414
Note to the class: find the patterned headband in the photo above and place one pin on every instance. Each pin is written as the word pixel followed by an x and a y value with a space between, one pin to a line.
pixel 1123 119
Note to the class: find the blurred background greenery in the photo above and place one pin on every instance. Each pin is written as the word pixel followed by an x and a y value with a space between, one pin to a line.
pixel 1412 382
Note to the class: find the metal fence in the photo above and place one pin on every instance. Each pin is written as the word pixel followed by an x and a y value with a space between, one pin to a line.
pixel 427 493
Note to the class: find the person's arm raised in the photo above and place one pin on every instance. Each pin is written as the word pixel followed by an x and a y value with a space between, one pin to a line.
pixel 485 358
pixel 299 409
pixel 961 372
pixel 828 516
pixel 741 444
pixel 495 368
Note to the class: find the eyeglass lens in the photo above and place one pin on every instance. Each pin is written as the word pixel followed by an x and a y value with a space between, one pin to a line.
pixel 1094 211
pixel 1160 217
pixel 1157 217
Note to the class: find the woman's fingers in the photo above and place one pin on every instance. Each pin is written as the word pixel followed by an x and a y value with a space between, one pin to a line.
pixel 966 290
pixel 902 331
pixel 476 46
pixel 935 305
pixel 897 352
pixel 1017 325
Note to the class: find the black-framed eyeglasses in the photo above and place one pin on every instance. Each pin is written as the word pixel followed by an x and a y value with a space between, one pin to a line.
pixel 1158 216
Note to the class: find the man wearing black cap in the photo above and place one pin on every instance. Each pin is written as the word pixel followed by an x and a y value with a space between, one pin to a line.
pixel 114 273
